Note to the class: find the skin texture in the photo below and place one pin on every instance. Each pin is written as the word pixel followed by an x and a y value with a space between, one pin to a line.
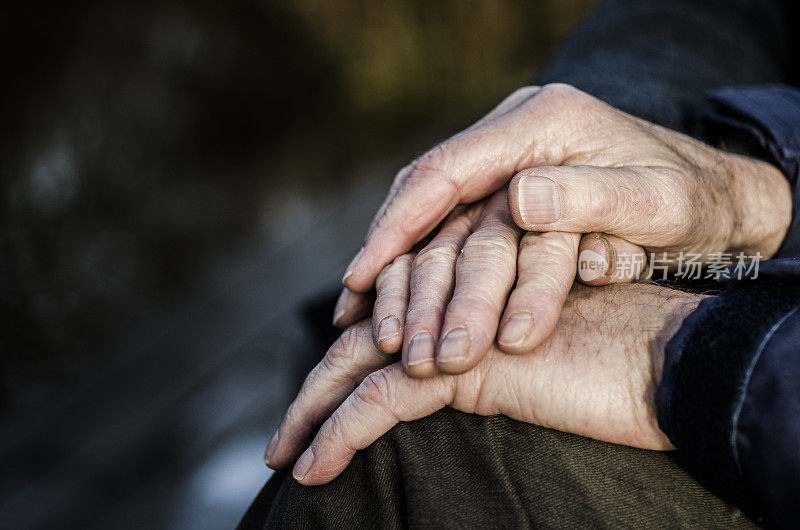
pixel 575 166
pixel 461 281
pixel 594 376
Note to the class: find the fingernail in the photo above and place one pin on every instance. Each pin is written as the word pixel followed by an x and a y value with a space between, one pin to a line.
pixel 538 200
pixel 420 349
pixel 271 446
pixel 607 250
pixel 389 327
pixel 350 268
pixel 516 329
pixel 455 346
pixel 591 265
pixel 303 465
pixel 341 306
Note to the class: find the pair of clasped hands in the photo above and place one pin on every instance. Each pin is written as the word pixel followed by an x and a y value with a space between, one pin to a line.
pixel 471 264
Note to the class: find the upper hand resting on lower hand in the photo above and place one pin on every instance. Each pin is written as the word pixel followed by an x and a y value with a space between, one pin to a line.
pixel 583 167
pixel 594 376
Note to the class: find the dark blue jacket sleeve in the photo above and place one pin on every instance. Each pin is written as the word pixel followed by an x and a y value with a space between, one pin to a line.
pixel 729 398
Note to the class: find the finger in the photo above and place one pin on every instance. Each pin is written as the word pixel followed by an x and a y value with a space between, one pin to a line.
pixel 391 303
pixel 352 307
pixel 431 287
pixel 510 103
pixel 344 366
pixel 485 272
pixel 604 259
pixel 546 264
pixel 639 204
pixel 465 168
pixel 383 399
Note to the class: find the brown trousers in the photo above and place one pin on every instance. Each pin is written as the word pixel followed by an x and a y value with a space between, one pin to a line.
pixel 456 470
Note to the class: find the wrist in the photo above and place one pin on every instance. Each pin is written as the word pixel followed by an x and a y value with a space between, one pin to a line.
pixel 763 207
pixel 676 307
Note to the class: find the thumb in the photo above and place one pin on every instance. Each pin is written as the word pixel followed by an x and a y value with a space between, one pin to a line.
pixel 639 204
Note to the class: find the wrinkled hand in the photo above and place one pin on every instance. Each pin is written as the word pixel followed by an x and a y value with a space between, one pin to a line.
pixel 587 168
pixel 443 305
pixel 595 376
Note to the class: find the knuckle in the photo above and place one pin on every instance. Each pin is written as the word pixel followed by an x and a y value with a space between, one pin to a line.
pixel 346 344
pixel 496 219
pixel 375 389
pixel 488 244
pixel 440 255
pixel 404 261
pixel 432 163
pixel 389 272
pixel 337 432
pixel 557 93
pixel 436 165
pixel 560 89
pixel 297 421
pixel 395 270
pixel 335 426
pixel 526 91
pixel 549 245
pixel 383 276
pixel 314 374
pixel 529 244
pixel 566 100
pixel 291 413
pixel 401 176
pixel 335 358
pixel 330 362
pixel 520 95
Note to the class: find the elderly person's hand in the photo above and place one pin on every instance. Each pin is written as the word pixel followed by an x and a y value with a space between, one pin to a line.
pixel 599 170
pixel 595 376
pixel 746 202
pixel 454 291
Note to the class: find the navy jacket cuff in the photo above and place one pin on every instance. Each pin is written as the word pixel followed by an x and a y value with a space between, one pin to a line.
pixel 722 376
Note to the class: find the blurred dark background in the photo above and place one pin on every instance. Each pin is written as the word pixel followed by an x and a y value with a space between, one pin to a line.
pixel 179 178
